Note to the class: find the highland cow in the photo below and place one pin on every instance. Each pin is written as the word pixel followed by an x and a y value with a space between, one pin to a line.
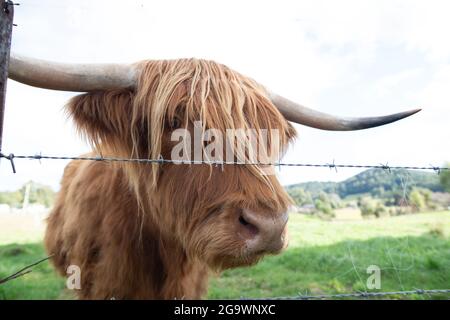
pixel 156 230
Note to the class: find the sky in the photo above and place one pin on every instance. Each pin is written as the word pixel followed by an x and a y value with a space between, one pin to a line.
pixel 349 58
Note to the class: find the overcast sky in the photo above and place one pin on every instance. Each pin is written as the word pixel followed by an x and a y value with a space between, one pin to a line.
pixel 351 58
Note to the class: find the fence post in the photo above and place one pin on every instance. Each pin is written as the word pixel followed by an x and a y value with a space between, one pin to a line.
pixel 6 22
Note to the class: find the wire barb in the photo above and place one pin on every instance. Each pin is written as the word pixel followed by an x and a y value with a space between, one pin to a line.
pixel 332 166
pixel 10 157
pixel 436 169
pixel 7 4
pixel 386 167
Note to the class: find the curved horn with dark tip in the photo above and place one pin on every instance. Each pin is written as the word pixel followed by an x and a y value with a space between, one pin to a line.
pixel 299 114
pixel 71 76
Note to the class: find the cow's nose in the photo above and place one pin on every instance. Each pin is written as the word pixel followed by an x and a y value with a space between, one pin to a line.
pixel 264 233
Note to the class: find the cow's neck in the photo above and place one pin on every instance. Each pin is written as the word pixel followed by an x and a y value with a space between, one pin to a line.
pixel 169 272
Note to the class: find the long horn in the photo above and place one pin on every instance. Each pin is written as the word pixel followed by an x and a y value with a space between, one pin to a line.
pixel 71 77
pixel 299 114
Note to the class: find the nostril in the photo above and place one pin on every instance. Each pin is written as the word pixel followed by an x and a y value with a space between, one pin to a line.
pixel 251 229
pixel 243 221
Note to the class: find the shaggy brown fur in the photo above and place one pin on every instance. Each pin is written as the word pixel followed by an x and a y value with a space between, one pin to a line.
pixel 155 231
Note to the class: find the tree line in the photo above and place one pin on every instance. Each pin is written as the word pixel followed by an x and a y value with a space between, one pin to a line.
pixel 36 194
pixel 376 193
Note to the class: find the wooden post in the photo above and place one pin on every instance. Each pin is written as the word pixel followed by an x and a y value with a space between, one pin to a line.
pixel 6 23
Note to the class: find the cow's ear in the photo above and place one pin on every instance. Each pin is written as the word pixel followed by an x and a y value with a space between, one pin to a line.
pixel 104 118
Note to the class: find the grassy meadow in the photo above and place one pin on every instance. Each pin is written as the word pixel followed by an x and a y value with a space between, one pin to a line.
pixel 324 257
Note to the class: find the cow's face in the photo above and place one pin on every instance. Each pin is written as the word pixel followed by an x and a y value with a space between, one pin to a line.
pixel 226 215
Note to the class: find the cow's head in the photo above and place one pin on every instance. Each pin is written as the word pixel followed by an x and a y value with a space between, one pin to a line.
pixel 226 215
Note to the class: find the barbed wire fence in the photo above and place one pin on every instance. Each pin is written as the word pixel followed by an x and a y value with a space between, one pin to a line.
pixel 363 295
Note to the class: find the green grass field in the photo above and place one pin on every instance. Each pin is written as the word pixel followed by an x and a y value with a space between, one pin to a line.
pixel 324 257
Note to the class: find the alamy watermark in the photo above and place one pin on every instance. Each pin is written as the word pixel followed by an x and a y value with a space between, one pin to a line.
pixel 242 146
pixel 73 281
pixel 374 280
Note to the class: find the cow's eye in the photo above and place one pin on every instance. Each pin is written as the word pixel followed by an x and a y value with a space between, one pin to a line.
pixel 175 123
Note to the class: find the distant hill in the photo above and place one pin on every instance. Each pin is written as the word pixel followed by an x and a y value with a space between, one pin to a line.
pixel 376 182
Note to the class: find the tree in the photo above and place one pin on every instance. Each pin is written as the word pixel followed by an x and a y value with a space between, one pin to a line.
pixel 37 194
pixel 445 178
pixel 324 205
pixel 12 198
pixel 417 200
pixel 300 196
pixel 335 200
pixel 380 209
pixel 42 194
pixel 367 206
pixel 421 199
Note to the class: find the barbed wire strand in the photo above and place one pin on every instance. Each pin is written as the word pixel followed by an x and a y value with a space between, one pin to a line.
pixel 25 270
pixel 161 160
pixel 357 295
